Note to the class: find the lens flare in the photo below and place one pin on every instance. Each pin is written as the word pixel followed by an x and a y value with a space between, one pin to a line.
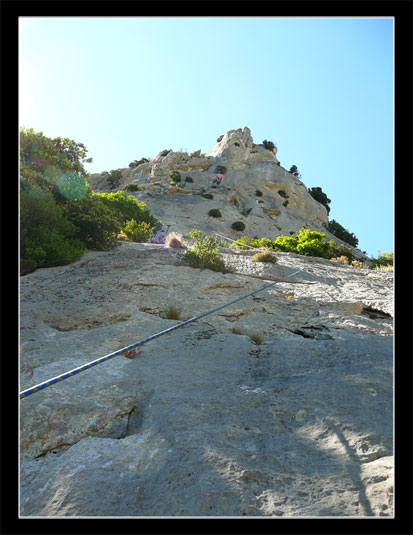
pixel 72 186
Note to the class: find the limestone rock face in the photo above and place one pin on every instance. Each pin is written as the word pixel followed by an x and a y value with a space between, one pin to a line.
pixel 277 406
pixel 284 206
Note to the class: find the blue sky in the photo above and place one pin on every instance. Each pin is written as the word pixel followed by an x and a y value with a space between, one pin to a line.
pixel 320 88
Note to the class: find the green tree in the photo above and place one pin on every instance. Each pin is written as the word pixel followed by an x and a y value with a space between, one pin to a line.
pixel 340 232
pixel 294 171
pixel 318 194
pixel 269 145
pixel 44 161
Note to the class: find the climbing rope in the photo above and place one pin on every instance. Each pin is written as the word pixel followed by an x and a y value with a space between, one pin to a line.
pixel 84 367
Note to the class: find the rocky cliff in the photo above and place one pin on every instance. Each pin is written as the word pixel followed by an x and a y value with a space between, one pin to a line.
pixel 283 206
pixel 279 405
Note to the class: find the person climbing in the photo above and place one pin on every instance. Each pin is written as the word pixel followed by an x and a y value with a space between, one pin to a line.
pixel 217 180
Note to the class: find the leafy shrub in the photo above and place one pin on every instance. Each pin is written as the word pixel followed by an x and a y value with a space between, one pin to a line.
pixel 239 226
pixel 165 152
pixel 138 232
pixel 97 225
pixel 47 247
pixel 189 179
pixel 265 256
pixel 204 253
pixel 384 259
pixel 113 178
pixel 285 203
pixel 126 207
pixel 219 138
pixel 175 176
pixel 341 233
pixel 269 145
pixel 207 195
pixel 242 243
pixel 283 193
pixel 214 212
pixel 132 187
pixel 258 193
pixel 47 238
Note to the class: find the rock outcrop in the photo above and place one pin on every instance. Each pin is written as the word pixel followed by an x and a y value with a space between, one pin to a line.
pixel 280 405
pixel 281 206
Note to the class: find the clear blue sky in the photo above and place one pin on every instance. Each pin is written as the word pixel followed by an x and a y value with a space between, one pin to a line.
pixel 320 88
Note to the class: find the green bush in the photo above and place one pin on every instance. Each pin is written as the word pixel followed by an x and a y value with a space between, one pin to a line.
pixel 258 193
pixel 244 240
pixel 189 179
pixel 219 138
pixel 306 242
pixel 132 187
pixel 384 259
pixel 283 193
pixel 175 176
pixel 98 225
pixel 239 226
pixel 126 207
pixel 47 238
pixel 138 232
pixel 207 196
pixel 204 254
pixel 214 212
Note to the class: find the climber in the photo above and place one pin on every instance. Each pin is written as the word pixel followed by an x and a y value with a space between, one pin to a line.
pixel 217 180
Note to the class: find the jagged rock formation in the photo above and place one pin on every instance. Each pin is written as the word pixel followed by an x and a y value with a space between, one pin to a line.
pixel 249 167
pixel 206 421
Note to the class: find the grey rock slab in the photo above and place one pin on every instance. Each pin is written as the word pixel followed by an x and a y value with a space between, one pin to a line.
pixel 298 423
pixel 229 428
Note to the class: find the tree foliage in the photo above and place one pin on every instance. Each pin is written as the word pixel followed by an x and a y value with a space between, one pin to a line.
pixel 318 194
pixel 60 216
pixel 340 232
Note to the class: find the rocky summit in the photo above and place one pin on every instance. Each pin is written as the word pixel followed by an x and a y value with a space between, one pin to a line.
pixel 279 405
pixel 281 206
